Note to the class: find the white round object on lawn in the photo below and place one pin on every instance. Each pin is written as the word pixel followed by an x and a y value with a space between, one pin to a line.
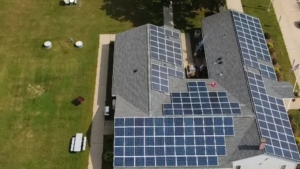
pixel 47 44
pixel 79 44
pixel 71 1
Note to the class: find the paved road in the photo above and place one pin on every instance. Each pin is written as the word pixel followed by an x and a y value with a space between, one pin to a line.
pixel 96 142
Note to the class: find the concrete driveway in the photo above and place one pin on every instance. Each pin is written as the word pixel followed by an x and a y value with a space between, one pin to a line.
pixel 98 121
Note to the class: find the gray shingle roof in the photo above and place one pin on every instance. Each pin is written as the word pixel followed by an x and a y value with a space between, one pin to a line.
pixel 221 41
pixel 130 53
pixel 215 46
pixel 135 97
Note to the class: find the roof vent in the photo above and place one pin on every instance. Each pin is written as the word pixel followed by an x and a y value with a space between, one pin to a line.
pixel 262 143
pixel 135 70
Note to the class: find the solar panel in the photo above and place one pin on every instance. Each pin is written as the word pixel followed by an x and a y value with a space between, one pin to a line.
pixel 198 101
pixel 172 33
pixel 267 71
pixel 163 48
pixel 170 141
pixel 273 120
pixel 256 84
pixel 175 73
pixel 159 78
pixel 251 38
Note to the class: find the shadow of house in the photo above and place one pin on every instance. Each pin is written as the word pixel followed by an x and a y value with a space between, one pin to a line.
pixel 135 11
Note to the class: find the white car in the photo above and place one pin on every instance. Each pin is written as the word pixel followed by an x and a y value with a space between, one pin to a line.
pixel 106 111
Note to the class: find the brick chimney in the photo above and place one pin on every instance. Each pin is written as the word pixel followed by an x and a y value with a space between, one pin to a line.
pixel 262 143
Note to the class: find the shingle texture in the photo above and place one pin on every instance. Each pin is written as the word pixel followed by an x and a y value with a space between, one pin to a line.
pixel 221 42
pixel 131 54
pixel 135 98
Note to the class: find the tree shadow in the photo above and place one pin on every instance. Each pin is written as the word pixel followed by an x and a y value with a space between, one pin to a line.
pixel 211 5
pixel 135 11
pixel 206 14
pixel 185 14
pixel 182 15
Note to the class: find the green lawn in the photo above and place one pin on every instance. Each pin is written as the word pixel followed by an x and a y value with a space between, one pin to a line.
pixel 258 8
pixel 295 121
pixel 37 85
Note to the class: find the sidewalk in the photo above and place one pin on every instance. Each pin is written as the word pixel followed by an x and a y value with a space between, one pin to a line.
pixel 288 14
pixel 97 131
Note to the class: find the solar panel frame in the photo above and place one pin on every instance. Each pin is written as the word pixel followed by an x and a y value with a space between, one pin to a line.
pixel 273 121
pixel 267 71
pixel 163 48
pixel 156 150
pixel 200 102
pixel 252 43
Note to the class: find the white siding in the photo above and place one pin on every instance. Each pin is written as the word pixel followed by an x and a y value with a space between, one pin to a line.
pixel 264 162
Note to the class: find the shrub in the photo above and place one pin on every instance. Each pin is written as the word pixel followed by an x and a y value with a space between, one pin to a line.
pixel 278 73
pixel 274 61
pixel 272 50
pixel 270 45
pixel 108 156
pixel 267 36
pixel 297 140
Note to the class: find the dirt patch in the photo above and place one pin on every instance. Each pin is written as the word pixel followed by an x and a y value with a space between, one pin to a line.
pixel 35 90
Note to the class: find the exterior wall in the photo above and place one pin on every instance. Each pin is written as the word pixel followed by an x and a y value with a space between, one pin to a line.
pixel 264 162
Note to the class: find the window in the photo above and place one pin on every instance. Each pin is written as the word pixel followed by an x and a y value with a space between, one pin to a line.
pixel 283 167
pixel 238 167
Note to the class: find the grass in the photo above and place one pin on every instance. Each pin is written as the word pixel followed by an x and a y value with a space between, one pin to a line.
pixel 37 85
pixel 295 122
pixel 269 22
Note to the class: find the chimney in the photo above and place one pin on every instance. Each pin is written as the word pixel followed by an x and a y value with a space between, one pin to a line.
pixel 262 143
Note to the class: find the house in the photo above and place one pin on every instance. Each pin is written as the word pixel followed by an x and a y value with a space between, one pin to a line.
pixel 163 119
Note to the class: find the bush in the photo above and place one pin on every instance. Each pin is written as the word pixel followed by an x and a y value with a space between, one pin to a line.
pixel 267 36
pixel 274 61
pixel 272 50
pixel 297 140
pixel 278 73
pixel 108 156
pixel 270 45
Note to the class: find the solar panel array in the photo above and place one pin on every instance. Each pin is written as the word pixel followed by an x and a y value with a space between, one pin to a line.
pixel 273 120
pixel 164 48
pixel 252 43
pixel 159 77
pixel 170 141
pixel 267 71
pixel 199 101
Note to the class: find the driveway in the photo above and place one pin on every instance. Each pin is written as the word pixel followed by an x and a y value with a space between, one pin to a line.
pixel 98 121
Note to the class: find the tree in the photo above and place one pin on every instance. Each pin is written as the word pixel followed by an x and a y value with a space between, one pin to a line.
pixel 108 156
